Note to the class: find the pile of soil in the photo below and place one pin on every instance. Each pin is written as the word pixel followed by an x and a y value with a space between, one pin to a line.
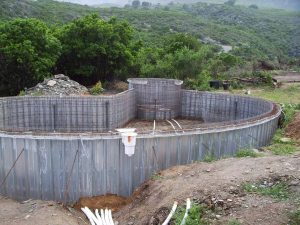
pixel 108 201
pixel 57 85
pixel 293 128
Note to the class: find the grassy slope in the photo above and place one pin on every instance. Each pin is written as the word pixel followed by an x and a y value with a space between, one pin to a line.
pixel 286 95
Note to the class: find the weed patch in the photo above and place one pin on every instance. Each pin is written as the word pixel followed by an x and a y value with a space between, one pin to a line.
pixel 195 216
pixel 294 217
pixel 281 145
pixel 276 191
pixel 156 176
pixel 234 222
pixel 209 158
pixel 247 153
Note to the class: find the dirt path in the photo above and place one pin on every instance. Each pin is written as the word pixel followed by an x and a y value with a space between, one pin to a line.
pixel 288 77
pixel 217 184
pixel 33 212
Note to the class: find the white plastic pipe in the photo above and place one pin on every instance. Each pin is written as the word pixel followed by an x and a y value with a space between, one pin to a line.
pixel 106 217
pixel 177 123
pixel 89 216
pixel 188 206
pixel 172 125
pixel 99 217
pixel 96 219
pixel 171 213
pixel 110 218
pixel 102 216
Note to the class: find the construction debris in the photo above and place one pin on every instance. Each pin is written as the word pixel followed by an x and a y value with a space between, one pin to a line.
pixel 58 85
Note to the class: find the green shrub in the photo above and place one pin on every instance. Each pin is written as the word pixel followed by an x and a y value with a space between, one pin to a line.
pixel 236 84
pixel 201 83
pixel 97 89
pixel 22 93
pixel 246 153
pixel 266 77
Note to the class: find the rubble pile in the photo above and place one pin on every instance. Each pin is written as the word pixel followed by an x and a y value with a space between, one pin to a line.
pixel 58 85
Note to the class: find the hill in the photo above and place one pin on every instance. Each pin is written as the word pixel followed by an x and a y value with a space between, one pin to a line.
pixel 47 10
pixel 279 4
pixel 253 33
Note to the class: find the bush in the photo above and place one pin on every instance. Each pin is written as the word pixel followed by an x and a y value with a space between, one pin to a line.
pixel 201 83
pixel 97 89
pixel 266 77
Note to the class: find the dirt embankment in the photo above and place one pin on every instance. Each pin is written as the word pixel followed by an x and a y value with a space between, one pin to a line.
pixel 218 185
pixel 293 129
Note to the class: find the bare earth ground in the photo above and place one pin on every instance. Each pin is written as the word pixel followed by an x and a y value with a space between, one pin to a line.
pixel 147 126
pixel 35 212
pixel 216 184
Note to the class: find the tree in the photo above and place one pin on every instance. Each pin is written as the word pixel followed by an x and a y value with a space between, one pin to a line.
pixel 230 2
pixel 182 64
pixel 136 4
pixel 28 51
pixel 179 41
pixel 253 6
pixel 146 4
pixel 186 7
pixel 94 49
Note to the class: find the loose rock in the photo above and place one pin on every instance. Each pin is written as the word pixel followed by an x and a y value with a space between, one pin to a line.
pixel 58 85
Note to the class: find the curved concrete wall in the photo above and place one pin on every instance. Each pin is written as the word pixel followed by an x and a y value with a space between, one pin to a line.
pixel 158 99
pixel 101 166
pixel 214 107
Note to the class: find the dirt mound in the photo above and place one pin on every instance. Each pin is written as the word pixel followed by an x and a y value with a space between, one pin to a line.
pixel 293 129
pixel 109 201
pixel 57 85
pixel 219 187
